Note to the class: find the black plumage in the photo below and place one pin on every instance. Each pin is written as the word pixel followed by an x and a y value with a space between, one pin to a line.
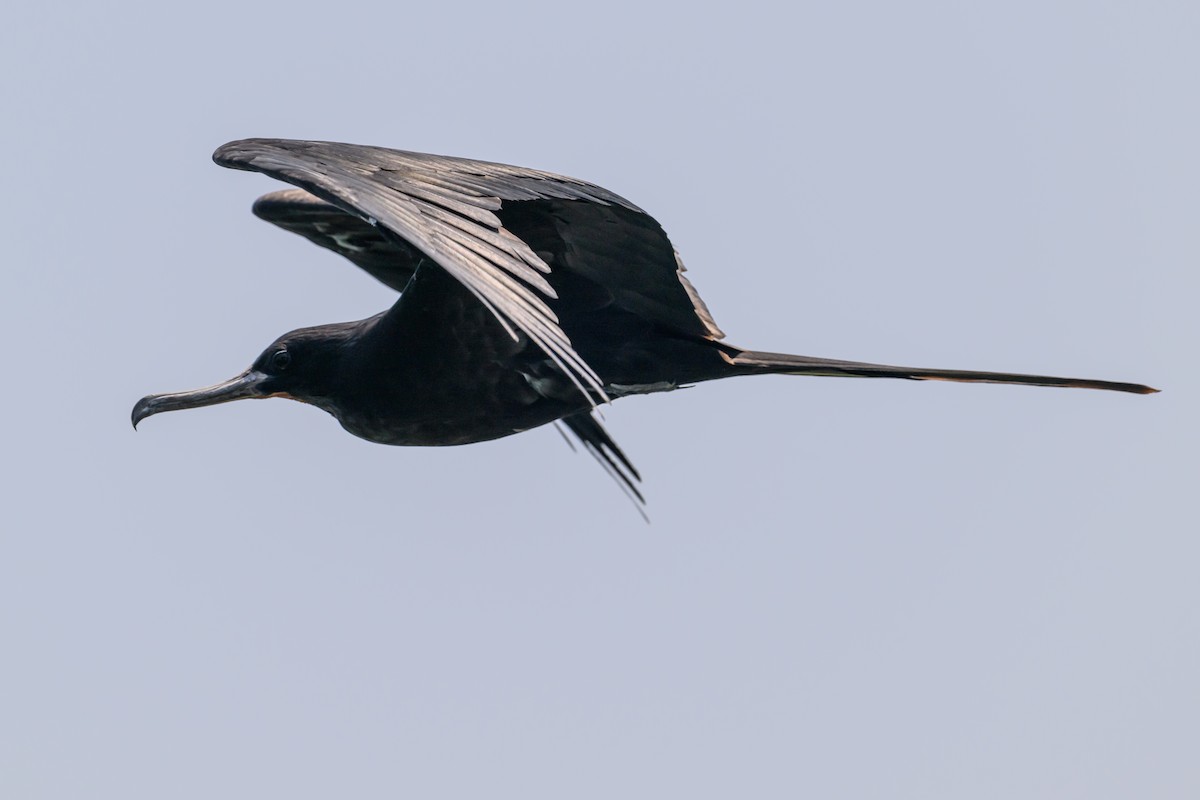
pixel 526 298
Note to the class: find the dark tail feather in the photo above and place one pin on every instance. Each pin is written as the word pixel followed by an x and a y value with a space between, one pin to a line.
pixel 805 365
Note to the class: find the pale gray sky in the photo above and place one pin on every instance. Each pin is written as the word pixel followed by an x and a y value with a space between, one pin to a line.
pixel 864 589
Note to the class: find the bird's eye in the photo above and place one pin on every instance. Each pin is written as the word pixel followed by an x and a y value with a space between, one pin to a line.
pixel 280 359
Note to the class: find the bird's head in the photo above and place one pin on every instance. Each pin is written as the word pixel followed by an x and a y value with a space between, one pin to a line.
pixel 302 365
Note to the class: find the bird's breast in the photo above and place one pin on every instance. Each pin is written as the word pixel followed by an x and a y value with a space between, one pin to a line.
pixel 451 427
pixel 449 406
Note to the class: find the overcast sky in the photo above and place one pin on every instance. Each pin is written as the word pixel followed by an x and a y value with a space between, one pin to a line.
pixel 850 588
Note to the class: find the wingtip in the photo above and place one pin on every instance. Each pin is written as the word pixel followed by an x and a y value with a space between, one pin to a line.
pixel 288 201
pixel 221 154
pixel 237 153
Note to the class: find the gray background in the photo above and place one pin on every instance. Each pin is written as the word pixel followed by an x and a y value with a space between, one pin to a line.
pixel 849 589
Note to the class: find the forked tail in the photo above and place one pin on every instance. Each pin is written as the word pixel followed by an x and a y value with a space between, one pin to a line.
pixel 804 365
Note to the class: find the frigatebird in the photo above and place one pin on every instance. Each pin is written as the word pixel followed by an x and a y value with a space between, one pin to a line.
pixel 525 298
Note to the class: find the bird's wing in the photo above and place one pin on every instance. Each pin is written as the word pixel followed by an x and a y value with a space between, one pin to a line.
pixel 639 269
pixel 389 260
pixel 445 208
pixel 610 257
pixel 596 439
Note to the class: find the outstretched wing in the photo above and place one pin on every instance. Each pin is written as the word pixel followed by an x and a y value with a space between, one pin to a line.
pixel 389 260
pixel 592 434
pixel 444 208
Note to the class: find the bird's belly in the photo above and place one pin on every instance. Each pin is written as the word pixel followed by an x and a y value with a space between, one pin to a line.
pixel 452 426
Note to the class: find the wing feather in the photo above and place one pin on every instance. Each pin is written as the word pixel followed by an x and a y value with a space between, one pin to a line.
pixel 597 440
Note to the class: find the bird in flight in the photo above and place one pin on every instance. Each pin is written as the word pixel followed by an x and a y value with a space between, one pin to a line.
pixel 525 298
